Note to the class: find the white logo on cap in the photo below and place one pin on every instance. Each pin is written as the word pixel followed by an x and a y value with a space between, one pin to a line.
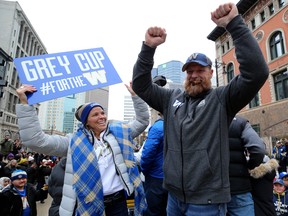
pixel 194 56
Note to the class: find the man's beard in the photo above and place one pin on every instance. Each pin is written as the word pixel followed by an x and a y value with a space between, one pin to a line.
pixel 197 86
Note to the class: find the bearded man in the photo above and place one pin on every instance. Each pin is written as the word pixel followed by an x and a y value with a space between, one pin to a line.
pixel 196 121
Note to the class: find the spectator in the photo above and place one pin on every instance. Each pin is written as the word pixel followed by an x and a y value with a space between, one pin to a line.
pixel 152 162
pixel 2 165
pixel 242 137
pixel 151 165
pixel 280 197
pixel 55 186
pixel 284 177
pixel 99 156
pixel 10 157
pixel 23 164
pixel 196 121
pixel 10 168
pixel 31 159
pixel 279 153
pixel 4 183
pixel 32 172
pixel 6 146
pixel 262 187
pixel 16 146
pixel 44 172
pixel 20 198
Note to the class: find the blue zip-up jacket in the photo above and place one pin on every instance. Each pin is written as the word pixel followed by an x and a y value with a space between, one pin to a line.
pixel 152 154
pixel 196 147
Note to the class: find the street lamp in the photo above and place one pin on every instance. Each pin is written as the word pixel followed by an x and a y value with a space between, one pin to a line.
pixel 217 65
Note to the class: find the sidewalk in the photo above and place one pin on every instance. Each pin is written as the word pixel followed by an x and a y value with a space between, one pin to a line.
pixel 42 208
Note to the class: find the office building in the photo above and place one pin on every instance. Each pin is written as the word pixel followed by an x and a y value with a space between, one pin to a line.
pixel 172 70
pixel 18 39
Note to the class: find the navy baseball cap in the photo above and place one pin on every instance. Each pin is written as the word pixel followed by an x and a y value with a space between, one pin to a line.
pixel 282 175
pixel 198 58
pixel 279 181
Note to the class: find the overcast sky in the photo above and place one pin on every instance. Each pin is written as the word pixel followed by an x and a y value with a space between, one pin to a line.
pixel 119 27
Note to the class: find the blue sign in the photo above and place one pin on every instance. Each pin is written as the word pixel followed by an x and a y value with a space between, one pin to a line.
pixel 61 74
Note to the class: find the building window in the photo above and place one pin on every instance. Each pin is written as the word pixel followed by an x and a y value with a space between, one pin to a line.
pixel 271 9
pixel 255 101
pixel 262 15
pixel 253 24
pixel 281 85
pixel 276 45
pixel 223 49
pixel 281 3
pixel 8 119
pixel 14 77
pixel 256 127
pixel 230 72
pixel 228 45
pixel 14 105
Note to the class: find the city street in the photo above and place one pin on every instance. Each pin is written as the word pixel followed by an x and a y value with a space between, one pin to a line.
pixel 42 208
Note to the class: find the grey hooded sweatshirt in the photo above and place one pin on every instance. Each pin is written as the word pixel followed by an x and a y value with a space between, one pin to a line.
pixel 196 147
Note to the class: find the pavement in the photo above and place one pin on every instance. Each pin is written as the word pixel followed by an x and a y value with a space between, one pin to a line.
pixel 43 208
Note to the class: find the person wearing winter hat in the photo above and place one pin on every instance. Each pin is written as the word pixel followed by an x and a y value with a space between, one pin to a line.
pixel 20 198
pixel 100 170
pixel 19 174
pixel 10 157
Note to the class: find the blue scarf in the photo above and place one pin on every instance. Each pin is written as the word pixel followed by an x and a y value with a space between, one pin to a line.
pixel 121 132
pixel 87 178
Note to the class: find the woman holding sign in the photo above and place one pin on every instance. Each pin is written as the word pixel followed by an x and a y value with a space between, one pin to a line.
pixel 100 169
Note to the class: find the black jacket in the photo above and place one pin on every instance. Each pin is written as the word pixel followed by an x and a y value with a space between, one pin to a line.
pixel 55 186
pixel 243 137
pixel 262 187
pixel 11 202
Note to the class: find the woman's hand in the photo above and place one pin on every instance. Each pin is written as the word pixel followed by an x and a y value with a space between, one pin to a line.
pixel 22 92
pixel 129 88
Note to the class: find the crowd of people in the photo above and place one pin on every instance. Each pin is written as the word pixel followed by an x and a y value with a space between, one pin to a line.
pixel 200 156
pixel 23 178
pixel 38 166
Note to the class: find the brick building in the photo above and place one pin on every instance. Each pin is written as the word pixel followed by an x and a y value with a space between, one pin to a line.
pixel 268 20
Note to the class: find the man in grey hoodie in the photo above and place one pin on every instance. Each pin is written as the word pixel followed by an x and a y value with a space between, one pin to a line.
pixel 196 121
